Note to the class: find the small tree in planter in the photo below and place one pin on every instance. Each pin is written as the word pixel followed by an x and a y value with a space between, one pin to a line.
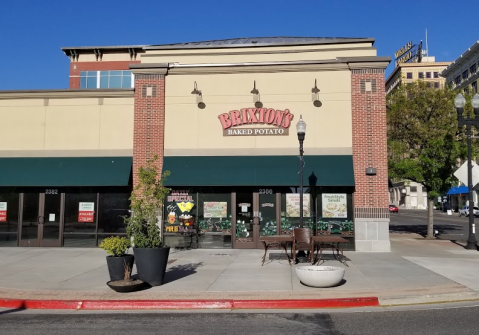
pixel 116 247
pixel 143 226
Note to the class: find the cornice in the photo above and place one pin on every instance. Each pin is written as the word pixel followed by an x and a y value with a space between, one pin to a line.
pixel 67 94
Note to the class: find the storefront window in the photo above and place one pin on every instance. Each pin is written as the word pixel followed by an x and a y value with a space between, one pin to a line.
pixel 214 220
pixel 290 212
pixel 80 212
pixel 9 200
pixel 335 214
pixel 79 240
pixel 112 209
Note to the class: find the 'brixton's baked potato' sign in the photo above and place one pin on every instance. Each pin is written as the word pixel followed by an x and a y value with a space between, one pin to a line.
pixel 276 122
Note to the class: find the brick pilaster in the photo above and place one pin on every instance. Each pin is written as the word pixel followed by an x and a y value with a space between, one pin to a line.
pixel 369 143
pixel 149 120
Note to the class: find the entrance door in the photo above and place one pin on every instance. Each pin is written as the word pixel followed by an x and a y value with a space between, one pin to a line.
pixel 256 214
pixel 41 220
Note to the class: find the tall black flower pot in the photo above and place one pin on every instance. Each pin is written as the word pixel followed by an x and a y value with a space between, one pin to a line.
pixel 151 264
pixel 116 266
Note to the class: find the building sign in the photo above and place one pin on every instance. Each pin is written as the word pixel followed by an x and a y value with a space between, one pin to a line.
pixel 215 209
pixel 179 196
pixel 277 122
pixel 409 52
pixel 293 208
pixel 86 212
pixel 334 206
pixel 3 211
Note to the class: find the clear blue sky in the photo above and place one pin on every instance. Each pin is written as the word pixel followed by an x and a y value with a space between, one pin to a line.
pixel 33 31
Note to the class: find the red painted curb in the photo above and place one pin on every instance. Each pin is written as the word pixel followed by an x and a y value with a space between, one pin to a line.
pixel 188 304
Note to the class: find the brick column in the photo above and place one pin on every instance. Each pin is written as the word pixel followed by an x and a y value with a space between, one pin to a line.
pixel 149 120
pixel 371 195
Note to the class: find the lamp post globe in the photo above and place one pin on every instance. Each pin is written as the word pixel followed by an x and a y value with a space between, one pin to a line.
pixel 301 129
pixel 468 121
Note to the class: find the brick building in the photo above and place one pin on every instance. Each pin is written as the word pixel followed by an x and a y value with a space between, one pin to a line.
pixel 221 115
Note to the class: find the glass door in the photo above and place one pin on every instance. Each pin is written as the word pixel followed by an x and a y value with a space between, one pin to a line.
pixel 244 221
pixel 256 214
pixel 41 219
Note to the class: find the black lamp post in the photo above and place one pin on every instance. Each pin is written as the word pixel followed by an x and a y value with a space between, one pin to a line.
pixel 301 128
pixel 468 121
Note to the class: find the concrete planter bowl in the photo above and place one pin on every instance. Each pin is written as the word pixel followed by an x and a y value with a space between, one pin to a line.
pixel 320 276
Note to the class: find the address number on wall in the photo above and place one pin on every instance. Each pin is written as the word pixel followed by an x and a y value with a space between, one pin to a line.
pixel 51 191
pixel 265 191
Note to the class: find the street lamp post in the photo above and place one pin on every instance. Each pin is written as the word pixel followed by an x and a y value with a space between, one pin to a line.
pixel 301 128
pixel 468 121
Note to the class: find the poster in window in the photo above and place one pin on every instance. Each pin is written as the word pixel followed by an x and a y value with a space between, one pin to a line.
pixel 86 212
pixel 292 205
pixel 3 211
pixel 334 205
pixel 215 209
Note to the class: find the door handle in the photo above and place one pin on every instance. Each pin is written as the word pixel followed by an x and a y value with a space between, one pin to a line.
pixel 41 219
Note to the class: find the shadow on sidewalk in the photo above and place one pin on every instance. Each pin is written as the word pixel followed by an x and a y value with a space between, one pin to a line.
pixel 13 310
pixel 180 271
pixel 421 229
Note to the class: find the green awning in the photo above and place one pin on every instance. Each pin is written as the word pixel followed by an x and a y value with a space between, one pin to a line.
pixel 329 170
pixel 65 171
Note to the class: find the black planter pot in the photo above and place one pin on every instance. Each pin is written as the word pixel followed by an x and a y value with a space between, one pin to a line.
pixel 134 286
pixel 116 266
pixel 151 264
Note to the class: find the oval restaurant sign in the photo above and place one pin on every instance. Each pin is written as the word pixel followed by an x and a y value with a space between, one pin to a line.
pixel 277 122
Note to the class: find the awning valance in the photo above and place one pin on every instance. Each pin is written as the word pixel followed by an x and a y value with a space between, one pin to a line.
pixel 65 171
pixel 329 170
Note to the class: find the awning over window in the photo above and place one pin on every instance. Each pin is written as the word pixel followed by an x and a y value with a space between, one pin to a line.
pixel 65 171
pixel 458 190
pixel 258 170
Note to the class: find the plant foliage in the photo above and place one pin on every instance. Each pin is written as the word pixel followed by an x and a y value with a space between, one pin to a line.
pixel 115 245
pixel 146 202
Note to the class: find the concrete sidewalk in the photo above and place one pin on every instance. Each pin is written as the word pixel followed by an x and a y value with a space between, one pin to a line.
pixel 416 271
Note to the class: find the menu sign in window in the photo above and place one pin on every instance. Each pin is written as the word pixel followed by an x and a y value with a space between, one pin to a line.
pixel 215 209
pixel 3 211
pixel 334 206
pixel 293 208
pixel 86 212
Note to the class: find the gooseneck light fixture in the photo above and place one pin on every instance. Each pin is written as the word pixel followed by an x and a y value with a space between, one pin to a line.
pixel 199 97
pixel 256 97
pixel 315 95
pixel 468 121
pixel 301 129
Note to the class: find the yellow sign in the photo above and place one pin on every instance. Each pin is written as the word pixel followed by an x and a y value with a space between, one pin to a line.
pixel 403 50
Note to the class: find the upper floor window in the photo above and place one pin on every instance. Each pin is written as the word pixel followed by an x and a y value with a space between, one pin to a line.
pixel 436 74
pixel 457 80
pixel 465 74
pixel 473 68
pixel 409 75
pixel 106 79
pixel 428 74
pixel 421 75
pixel 474 87
pixel 436 84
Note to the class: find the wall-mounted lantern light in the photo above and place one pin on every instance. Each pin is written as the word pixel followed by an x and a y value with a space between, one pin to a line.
pixel 256 97
pixel 315 95
pixel 199 97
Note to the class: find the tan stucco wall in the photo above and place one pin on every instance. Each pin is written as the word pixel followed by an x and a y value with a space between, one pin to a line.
pixel 258 54
pixel 194 131
pixel 66 127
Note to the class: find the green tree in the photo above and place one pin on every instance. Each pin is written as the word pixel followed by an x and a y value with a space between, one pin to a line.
pixel 423 140
pixel 146 202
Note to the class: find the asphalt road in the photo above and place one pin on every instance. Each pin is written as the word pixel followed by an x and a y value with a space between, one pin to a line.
pixel 435 321
pixel 450 227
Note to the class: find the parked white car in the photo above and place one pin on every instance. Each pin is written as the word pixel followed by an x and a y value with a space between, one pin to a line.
pixel 465 211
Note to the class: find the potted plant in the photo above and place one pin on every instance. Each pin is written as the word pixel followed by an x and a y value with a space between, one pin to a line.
pixel 126 284
pixel 116 247
pixel 143 227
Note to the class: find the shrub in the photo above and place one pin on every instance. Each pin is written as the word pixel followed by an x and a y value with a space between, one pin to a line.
pixel 115 245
